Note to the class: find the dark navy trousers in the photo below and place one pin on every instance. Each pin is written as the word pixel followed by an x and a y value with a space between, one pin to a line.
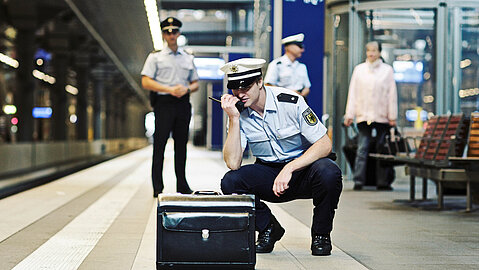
pixel 321 181
pixel 172 115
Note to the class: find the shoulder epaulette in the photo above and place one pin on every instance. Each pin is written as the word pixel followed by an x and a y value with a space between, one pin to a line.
pixel 278 63
pixel 283 97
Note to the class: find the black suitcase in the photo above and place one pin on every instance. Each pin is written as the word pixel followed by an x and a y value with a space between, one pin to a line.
pixel 349 150
pixel 351 146
pixel 205 232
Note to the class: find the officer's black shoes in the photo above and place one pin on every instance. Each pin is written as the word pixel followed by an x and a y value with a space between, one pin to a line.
pixel 358 186
pixel 321 245
pixel 269 236
pixel 184 190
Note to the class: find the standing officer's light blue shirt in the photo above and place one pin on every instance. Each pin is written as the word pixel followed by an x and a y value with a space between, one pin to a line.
pixel 287 129
pixel 284 73
pixel 169 68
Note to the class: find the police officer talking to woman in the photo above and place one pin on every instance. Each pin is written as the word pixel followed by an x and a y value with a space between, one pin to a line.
pixel 291 149
pixel 171 76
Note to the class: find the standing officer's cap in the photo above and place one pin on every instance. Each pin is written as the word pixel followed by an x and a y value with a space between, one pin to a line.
pixel 243 72
pixel 296 39
pixel 170 23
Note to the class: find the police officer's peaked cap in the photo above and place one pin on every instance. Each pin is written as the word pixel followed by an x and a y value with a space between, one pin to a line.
pixel 242 72
pixel 295 39
pixel 170 23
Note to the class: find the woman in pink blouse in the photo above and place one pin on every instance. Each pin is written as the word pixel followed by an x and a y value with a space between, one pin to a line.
pixel 372 101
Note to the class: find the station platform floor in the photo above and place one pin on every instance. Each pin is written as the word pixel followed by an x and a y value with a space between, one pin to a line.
pixel 104 217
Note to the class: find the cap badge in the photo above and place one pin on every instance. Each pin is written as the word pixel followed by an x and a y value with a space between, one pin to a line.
pixel 234 68
pixel 170 20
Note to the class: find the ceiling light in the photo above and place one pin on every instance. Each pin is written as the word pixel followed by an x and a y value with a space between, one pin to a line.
pixel 154 23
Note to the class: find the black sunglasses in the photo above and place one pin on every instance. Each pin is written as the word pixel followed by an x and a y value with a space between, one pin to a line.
pixel 245 89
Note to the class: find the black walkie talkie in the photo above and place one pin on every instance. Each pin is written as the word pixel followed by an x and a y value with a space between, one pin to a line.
pixel 239 105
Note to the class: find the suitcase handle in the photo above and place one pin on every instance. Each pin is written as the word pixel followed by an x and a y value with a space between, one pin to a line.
pixel 206 192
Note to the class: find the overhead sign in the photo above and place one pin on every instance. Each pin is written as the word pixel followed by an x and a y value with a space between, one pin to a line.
pixel 42 112
pixel 209 68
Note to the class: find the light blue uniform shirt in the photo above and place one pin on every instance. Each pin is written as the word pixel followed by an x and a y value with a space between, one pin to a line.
pixel 169 68
pixel 284 73
pixel 287 129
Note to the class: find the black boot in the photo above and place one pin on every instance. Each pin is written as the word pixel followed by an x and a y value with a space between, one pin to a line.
pixel 358 186
pixel 321 245
pixel 269 236
pixel 183 188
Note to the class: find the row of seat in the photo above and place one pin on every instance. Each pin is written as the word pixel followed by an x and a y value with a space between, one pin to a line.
pixel 438 155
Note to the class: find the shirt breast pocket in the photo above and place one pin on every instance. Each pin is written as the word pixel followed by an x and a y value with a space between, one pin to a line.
pixel 260 145
pixel 185 71
pixel 285 75
pixel 289 138
pixel 164 72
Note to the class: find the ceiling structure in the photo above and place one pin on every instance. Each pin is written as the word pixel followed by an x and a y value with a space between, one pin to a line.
pixel 116 29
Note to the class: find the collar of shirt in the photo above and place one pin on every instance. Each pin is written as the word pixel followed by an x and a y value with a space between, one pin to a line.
pixel 167 50
pixel 269 105
pixel 374 64
pixel 285 59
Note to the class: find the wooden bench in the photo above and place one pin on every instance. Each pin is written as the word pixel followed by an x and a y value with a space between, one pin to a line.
pixel 419 149
pixel 447 142
pixel 416 149
pixel 438 156
pixel 470 163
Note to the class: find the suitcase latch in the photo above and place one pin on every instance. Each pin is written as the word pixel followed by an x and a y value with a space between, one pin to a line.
pixel 205 233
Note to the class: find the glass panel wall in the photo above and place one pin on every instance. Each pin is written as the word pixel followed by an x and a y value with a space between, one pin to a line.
pixel 408 39
pixel 8 67
pixel 432 46
pixel 468 61
pixel 340 72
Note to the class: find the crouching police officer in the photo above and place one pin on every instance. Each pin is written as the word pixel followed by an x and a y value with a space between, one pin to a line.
pixel 291 149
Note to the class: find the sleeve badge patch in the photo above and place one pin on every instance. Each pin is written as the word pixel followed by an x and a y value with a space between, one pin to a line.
pixel 309 117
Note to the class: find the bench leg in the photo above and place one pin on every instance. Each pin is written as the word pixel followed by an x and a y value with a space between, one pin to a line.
pixel 440 195
pixel 424 188
pixel 468 196
pixel 412 188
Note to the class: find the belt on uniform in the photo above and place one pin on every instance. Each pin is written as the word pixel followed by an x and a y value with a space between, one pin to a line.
pixel 331 156
pixel 172 99
pixel 271 164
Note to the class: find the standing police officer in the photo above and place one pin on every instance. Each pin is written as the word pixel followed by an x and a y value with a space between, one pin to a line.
pixel 171 76
pixel 291 149
pixel 286 71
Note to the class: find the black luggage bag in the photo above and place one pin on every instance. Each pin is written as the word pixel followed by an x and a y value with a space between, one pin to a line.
pixel 205 232
pixel 349 150
pixel 385 147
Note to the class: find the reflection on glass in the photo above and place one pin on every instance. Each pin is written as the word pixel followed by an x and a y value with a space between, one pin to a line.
pixel 469 60
pixel 340 81
pixel 407 37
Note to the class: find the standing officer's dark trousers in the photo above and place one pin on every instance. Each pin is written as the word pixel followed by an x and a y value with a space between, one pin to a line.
pixel 171 115
pixel 321 181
